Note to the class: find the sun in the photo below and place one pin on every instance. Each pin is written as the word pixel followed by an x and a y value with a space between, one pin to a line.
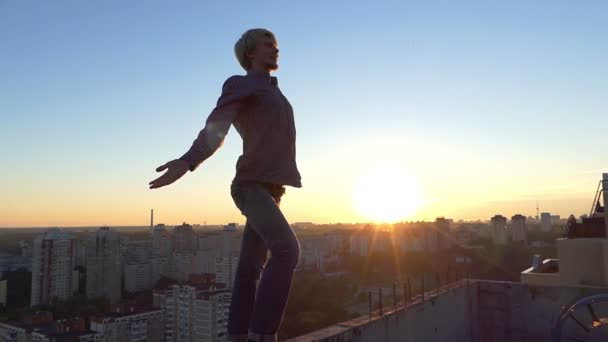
pixel 387 193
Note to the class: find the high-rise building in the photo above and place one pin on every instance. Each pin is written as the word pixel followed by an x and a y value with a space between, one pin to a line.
pixel 159 267
pixel 545 222
pixel 181 266
pixel 138 277
pixel 161 240
pixel 499 229
pixel 52 265
pixel 208 242
pixel 104 265
pixel 205 261
pixel 138 251
pixel 518 229
pixel 184 238
pixel 195 312
pixel 230 241
pixel 218 253
pixel 81 253
pixel 225 268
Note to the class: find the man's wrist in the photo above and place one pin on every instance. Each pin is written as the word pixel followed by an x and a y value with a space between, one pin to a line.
pixel 191 167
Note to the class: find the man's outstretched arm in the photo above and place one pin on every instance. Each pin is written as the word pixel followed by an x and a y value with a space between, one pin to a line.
pixel 210 138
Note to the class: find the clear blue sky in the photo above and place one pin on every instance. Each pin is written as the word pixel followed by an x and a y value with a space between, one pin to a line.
pixel 505 101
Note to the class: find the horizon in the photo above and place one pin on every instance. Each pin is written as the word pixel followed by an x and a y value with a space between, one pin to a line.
pixel 404 111
pixel 314 224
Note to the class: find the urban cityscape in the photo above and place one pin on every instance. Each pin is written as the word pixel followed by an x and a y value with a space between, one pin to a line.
pixel 161 283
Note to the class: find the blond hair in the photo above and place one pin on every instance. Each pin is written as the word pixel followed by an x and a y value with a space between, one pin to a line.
pixel 247 43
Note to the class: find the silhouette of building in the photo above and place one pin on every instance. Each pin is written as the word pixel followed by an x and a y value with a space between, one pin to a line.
pixel 184 238
pixel 499 229
pixel 52 266
pixel 161 240
pixel 545 222
pixel 518 229
pixel 104 265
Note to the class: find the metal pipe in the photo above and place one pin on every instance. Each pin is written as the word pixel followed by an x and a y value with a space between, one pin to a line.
pixel 395 294
pixel 370 304
pixel 409 289
pixel 380 293
pixel 423 288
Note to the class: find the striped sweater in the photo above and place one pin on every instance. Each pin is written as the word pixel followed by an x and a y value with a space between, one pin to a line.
pixel 263 117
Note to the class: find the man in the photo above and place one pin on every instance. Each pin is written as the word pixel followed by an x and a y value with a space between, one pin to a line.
pixel 264 119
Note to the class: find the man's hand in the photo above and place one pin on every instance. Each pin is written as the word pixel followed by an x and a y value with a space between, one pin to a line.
pixel 175 170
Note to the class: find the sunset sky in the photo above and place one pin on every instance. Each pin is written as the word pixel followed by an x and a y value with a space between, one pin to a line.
pixel 483 107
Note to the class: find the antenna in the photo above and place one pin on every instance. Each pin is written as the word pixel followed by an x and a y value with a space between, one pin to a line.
pixel 537 211
pixel 151 218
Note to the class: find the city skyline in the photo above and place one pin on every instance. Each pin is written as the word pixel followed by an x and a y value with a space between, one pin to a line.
pixel 165 284
pixel 482 108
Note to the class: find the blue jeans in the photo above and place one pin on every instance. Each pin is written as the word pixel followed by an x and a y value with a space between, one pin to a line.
pixel 258 316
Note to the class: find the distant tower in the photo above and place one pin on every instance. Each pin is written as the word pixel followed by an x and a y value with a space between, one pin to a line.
pixel 537 212
pixel 151 219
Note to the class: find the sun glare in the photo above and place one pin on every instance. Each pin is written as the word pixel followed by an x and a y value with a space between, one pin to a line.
pixel 387 194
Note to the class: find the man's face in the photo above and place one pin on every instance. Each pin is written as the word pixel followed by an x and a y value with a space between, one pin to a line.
pixel 265 55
